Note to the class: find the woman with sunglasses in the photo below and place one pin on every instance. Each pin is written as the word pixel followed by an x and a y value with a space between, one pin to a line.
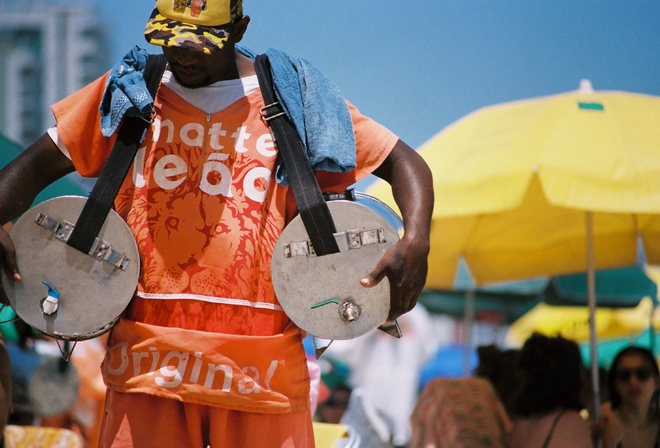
pixel 630 419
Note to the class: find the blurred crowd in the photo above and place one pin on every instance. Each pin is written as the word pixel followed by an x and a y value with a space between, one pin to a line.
pixel 539 395
pixel 51 391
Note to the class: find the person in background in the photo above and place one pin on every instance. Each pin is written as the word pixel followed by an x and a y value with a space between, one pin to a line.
pixel 5 389
pixel 85 416
pixel 385 370
pixel 5 383
pixel 332 409
pixel 546 408
pixel 630 419
pixel 499 367
pixel 206 208
pixel 459 413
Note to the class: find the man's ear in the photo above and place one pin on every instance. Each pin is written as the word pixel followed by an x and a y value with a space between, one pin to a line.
pixel 240 26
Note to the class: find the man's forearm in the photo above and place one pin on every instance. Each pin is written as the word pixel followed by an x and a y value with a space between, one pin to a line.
pixel 412 189
pixel 406 263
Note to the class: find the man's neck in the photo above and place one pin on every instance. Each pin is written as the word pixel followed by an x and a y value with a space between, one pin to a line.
pixel 245 66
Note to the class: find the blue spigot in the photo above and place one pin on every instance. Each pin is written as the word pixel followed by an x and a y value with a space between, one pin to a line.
pixel 49 306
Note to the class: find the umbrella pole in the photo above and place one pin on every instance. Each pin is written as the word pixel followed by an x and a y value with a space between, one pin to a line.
pixel 591 296
pixel 652 331
pixel 468 324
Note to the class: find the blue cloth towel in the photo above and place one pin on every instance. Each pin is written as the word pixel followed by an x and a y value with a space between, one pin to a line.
pixel 310 99
pixel 318 110
pixel 126 91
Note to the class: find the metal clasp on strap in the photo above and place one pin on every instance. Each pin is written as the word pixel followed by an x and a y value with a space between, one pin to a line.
pixel 270 111
pixel 149 118
pixel 101 250
pixel 347 240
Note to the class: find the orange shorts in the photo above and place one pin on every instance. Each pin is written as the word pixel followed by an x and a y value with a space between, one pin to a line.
pixel 134 420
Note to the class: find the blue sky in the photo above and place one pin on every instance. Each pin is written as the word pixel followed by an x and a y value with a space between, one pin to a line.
pixel 418 65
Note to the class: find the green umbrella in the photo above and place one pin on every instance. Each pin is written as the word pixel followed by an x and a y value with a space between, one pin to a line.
pixel 501 303
pixel 615 288
pixel 507 301
pixel 493 307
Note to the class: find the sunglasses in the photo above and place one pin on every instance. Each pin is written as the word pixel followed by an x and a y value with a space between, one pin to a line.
pixel 642 374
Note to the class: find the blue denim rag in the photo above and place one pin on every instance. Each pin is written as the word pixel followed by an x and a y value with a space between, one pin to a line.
pixel 126 91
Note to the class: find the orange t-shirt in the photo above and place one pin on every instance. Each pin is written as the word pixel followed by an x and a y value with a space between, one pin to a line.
pixel 204 207
pixel 206 212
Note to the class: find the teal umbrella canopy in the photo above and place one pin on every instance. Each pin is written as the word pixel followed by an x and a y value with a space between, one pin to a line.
pixel 501 302
pixel 608 348
pixel 491 307
pixel 62 187
pixel 505 302
pixel 615 288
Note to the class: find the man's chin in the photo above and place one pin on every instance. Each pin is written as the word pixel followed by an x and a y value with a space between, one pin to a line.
pixel 190 84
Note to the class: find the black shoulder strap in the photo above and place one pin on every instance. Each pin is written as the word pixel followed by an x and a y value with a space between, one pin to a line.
pixel 107 186
pixel 153 72
pixel 311 204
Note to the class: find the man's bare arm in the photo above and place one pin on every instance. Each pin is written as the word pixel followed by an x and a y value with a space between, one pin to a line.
pixel 406 263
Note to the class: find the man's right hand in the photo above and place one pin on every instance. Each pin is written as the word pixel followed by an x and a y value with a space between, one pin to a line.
pixel 7 262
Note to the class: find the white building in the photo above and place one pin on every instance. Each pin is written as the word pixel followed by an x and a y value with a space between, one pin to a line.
pixel 48 49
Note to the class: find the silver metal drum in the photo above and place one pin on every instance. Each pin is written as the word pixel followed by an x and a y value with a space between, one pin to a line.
pixel 323 295
pixel 93 289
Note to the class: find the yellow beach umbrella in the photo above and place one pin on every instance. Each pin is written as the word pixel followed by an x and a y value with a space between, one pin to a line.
pixel 546 186
pixel 572 322
pixel 513 182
